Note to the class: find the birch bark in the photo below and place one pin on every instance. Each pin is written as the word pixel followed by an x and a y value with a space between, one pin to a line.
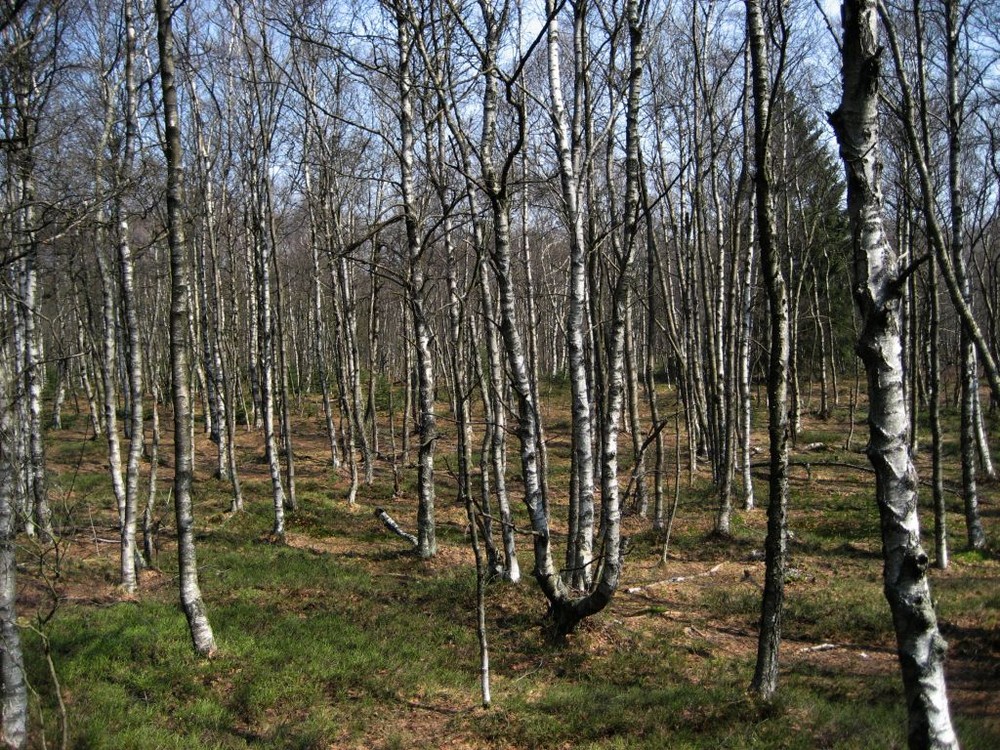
pixel 877 294
pixel 190 591
pixel 14 709
pixel 579 558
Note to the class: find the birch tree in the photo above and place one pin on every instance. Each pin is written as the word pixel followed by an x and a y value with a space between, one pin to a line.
pixel 190 591
pixel 263 105
pixel 407 25
pixel 877 293
pixel 765 679
pixel 31 44
pixel 13 686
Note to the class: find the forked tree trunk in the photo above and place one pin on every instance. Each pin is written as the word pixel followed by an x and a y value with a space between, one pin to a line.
pixel 581 542
pixel 878 293
pixel 190 592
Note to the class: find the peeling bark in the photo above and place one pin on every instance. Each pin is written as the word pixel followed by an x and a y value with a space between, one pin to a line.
pixel 878 296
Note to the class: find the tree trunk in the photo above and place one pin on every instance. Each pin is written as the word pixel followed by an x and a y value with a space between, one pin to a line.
pixel 582 532
pixel 109 364
pixel 266 351
pixel 415 291
pixel 877 295
pixel 934 417
pixel 765 678
pixel 128 547
pixel 14 715
pixel 190 592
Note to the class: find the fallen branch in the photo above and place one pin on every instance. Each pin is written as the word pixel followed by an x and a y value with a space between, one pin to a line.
pixel 675 579
pixel 820 647
pixel 390 524
pixel 808 466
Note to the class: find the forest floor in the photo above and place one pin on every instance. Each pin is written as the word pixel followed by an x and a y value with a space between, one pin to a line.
pixel 342 638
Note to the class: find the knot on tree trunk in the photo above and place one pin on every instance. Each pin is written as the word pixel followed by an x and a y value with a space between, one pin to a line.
pixel 915 563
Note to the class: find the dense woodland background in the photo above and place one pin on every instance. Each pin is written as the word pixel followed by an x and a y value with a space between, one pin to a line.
pixel 519 275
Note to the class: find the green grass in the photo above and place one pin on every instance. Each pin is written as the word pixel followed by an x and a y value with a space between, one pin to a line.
pixel 346 640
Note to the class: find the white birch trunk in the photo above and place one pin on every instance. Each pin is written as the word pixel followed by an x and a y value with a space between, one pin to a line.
pixel 415 282
pixel 319 321
pixel 348 304
pixel 582 531
pixel 38 502
pixel 920 646
pixel 109 363
pixel 14 692
pixel 129 553
pixel 190 591
pixel 129 517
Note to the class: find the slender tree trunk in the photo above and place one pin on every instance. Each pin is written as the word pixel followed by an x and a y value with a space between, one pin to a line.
pixel 265 325
pixel 109 364
pixel 128 547
pixel 649 369
pixel 34 373
pixel 967 364
pixel 746 325
pixel 129 551
pixel 877 295
pixel 982 441
pixel 497 449
pixel 319 321
pixel 415 283
pixel 765 678
pixel 148 527
pixel 824 397
pixel 934 417
pixel 582 532
pixel 291 501
pixel 375 366
pixel 348 305
pixel 190 591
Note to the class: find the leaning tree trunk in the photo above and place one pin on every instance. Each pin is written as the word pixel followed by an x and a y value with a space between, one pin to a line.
pixel 878 291
pixel 191 601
